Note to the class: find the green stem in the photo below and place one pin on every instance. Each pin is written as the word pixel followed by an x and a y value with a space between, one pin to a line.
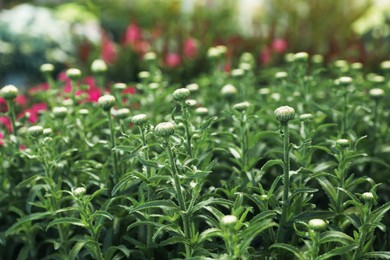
pixel 180 197
pixel 315 245
pixel 345 108
pixel 244 144
pixel 186 127
pixel 113 152
pixel 11 109
pixel 73 85
pixel 286 181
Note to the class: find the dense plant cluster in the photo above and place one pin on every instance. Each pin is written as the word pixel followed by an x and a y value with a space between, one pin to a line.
pixel 280 163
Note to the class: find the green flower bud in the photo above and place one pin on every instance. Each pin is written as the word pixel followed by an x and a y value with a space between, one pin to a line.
pixel 121 113
pixel 245 66
pixel 368 197
pixel 229 221
pixel 83 111
pixel 180 94
pixel 144 74
pixel 229 90
pixel 150 56
pixel 301 57
pixel 193 87
pixel 281 75
pixel 306 117
pixel 119 86
pixel 60 112
pixel 242 106
pixel 344 81
pixel 385 65
pixel 237 73
pixel 342 142
pixel 47 68
pixel 140 119
pixel 35 131
pixel 356 66
pixel 317 224
pixel 376 93
pixel 9 92
pixel 284 114
pixel 106 102
pixel 317 59
pixel 165 129
pixel 80 191
pixel 73 73
pixel 47 131
pixel 98 66
pixel 202 111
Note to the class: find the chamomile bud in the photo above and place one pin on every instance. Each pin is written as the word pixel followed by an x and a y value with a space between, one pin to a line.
pixel 140 119
pixel 301 57
pixel 9 92
pixel 35 131
pixel 342 142
pixel 60 112
pixel 119 86
pixel 191 102
pixel 242 106
pixel 154 85
pixel 385 65
pixel 229 90
pixel 47 131
pixel 357 66
pixel 106 102
pixel 150 56
pixel 222 49
pixel 73 73
pixel 47 68
pixel 317 224
pixel 344 81
pixel 306 117
pixel 229 221
pixel 83 111
pixel 317 59
pixel 193 87
pixel 122 113
pixel 284 114
pixel 245 66
pixel 144 74
pixel 213 53
pixel 80 191
pixel 368 197
pixel 237 73
pixel 98 66
pixel 376 92
pixel 164 129
pixel 289 57
pixel 201 111
pixel 180 94
pixel 281 75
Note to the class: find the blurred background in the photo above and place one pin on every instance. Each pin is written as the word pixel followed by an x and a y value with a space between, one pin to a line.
pixel 74 33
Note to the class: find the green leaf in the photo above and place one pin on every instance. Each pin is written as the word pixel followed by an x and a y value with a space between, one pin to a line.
pixel 209 233
pixel 252 231
pixel 66 221
pixel 290 248
pixel 162 204
pixel 337 251
pixel 148 163
pixel 76 248
pixel 336 236
pixel 377 215
pixel 128 177
pixel 174 240
pixel 271 163
pixel 378 254
pixel 236 154
pixel 25 219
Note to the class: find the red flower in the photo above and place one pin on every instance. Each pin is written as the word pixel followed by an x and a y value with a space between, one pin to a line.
pixel 1 139
pixel 133 34
pixel 172 60
pixel 33 112
pixel 6 122
pixel 3 105
pixel 190 48
pixel 21 100
pixel 279 45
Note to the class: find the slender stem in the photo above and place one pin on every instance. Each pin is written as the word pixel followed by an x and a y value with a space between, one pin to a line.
pixel 315 245
pixel 180 197
pixel 244 144
pixel 375 128
pixel 345 108
pixel 11 109
pixel 186 127
pixel 73 85
pixel 113 152
pixel 286 181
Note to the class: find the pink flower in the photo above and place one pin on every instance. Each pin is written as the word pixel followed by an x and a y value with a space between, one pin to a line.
pixel 172 60
pixel 133 34
pixel 6 122
pixel 108 52
pixel 34 112
pixel 279 45
pixel 38 88
pixel 21 100
pixel 190 48
pixel 1 139
pixel 3 105
pixel 265 56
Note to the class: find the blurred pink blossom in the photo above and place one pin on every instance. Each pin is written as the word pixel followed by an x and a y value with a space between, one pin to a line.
pixel 190 48
pixel 279 45
pixel 172 60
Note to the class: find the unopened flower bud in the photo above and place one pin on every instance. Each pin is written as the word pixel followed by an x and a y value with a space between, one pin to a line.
pixel 60 112
pixel 284 114
pixel 229 221
pixel 237 73
pixel 229 90
pixel 385 65
pixel 368 197
pixel 165 129
pixel 80 191
pixel 150 56
pixel 306 117
pixel 281 75
pixel 193 87
pixel 202 111
pixel 242 106
pixel 9 92
pixel 106 102
pixel 84 111
pixel 301 57
pixel 140 119
pixel 317 59
pixel 356 66
pixel 35 131
pixel 191 102
pixel 245 66
pixel 73 73
pixel 180 94
pixel 376 92
pixel 344 81
pixel 342 142
pixel 47 68
pixel 144 74
pixel 119 86
pixel 317 224
pixel 47 131
pixel 98 66
pixel 122 113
